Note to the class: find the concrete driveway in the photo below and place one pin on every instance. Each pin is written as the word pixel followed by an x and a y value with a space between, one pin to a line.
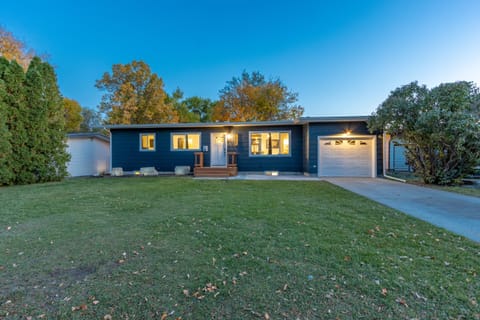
pixel 454 212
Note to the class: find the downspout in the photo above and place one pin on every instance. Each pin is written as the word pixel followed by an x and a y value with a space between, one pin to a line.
pixel 386 155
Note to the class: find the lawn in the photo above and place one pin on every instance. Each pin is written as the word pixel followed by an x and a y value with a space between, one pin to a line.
pixel 466 189
pixel 179 248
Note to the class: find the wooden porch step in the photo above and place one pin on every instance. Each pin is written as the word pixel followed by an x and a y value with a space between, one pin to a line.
pixel 215 172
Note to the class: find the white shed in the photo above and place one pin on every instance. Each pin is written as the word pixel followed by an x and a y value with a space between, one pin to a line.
pixel 90 154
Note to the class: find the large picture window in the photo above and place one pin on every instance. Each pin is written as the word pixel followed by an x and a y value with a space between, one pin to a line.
pixel 270 143
pixel 185 141
pixel 147 142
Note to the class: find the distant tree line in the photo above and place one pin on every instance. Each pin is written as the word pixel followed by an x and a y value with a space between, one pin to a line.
pixel 136 95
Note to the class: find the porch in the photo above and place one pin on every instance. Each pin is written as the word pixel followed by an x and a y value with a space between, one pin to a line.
pixel 230 170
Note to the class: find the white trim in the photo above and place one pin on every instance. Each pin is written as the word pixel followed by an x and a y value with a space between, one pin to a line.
pixel 140 141
pixel 373 172
pixel 186 133
pixel 111 154
pixel 270 155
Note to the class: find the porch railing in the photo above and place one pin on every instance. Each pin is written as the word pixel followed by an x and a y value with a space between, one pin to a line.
pixel 232 158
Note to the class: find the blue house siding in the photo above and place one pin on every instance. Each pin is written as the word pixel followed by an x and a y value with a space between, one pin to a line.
pixel 303 157
pixel 290 163
pixel 126 149
pixel 329 129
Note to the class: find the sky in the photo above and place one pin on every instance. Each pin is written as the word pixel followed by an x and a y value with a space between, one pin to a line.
pixel 341 57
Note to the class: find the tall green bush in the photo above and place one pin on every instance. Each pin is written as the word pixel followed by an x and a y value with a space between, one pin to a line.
pixel 33 138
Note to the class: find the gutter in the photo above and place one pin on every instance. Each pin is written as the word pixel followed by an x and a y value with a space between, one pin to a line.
pixel 393 178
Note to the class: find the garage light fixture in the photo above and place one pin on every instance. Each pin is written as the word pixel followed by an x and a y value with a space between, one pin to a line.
pixel 347 133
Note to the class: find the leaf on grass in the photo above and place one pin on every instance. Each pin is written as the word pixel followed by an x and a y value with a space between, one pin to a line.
pixel 186 292
pixel 210 287
pixel 384 291
pixel 198 295
pixel 164 316
pixel 347 258
pixel 419 296
pixel 41 316
pixel 402 302
pixel 107 317
pixel 95 302
pixel 266 316
pixel 121 261
pixel 80 307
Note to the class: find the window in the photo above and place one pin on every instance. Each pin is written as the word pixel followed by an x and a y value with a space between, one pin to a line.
pixel 185 141
pixel 147 141
pixel 272 143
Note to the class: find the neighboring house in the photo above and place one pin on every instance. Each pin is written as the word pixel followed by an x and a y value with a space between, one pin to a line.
pixel 395 155
pixel 323 146
pixel 397 160
pixel 90 154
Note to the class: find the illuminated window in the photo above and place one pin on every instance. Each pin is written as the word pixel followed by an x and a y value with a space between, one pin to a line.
pixel 147 141
pixel 185 141
pixel 271 143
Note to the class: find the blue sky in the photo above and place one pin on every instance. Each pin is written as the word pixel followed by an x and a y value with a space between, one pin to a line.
pixel 342 57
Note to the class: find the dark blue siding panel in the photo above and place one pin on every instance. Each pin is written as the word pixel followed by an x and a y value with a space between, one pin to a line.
pixel 126 150
pixel 126 153
pixel 303 144
pixel 291 163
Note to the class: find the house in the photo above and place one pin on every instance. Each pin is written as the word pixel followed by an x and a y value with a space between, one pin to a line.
pixel 397 160
pixel 320 146
pixel 90 154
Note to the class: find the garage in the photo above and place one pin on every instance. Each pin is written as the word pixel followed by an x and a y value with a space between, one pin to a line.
pixel 346 156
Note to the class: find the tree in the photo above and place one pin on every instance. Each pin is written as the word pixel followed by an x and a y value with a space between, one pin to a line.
pixel 46 122
pixel 176 100
pixel 440 128
pixel 73 115
pixel 13 78
pixel 14 49
pixel 252 98
pixel 91 120
pixel 193 109
pixel 200 107
pixel 134 95
pixel 6 174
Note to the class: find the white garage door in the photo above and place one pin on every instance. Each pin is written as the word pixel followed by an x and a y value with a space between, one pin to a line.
pixel 346 157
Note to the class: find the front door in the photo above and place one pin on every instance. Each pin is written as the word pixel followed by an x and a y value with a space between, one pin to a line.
pixel 218 150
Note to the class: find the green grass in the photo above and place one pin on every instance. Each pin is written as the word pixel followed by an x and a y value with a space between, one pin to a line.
pixel 469 190
pixel 143 248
